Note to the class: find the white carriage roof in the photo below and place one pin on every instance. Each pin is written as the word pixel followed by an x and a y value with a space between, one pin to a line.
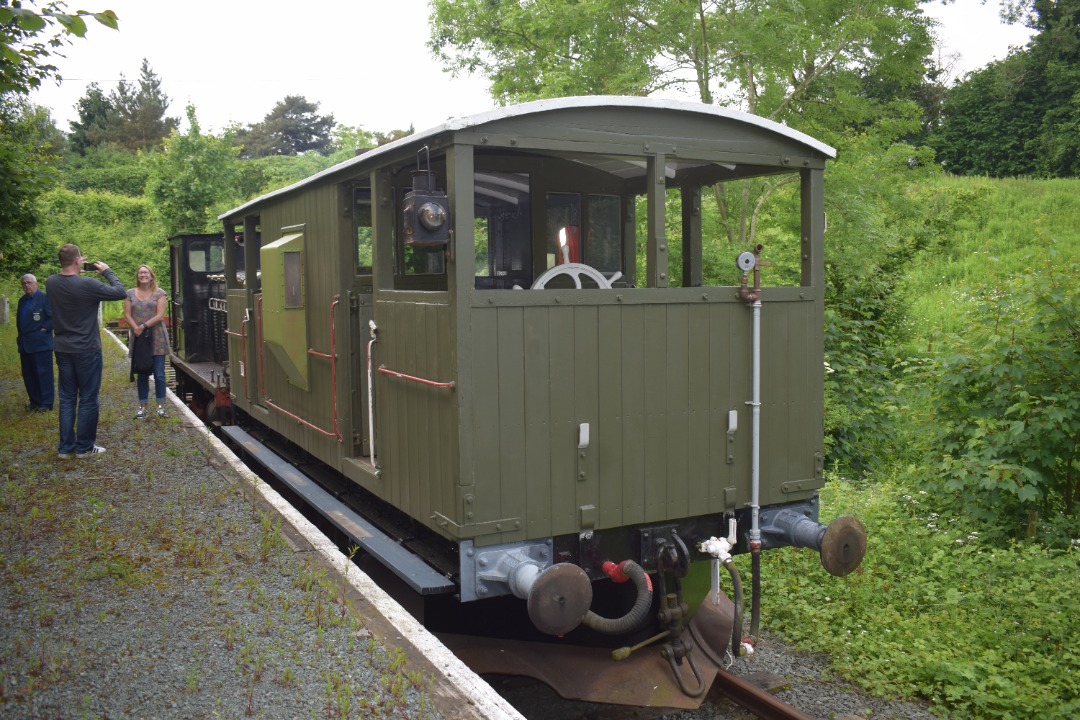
pixel 454 124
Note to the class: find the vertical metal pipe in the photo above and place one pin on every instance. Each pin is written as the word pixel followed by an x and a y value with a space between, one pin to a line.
pixel 371 395
pixel 755 432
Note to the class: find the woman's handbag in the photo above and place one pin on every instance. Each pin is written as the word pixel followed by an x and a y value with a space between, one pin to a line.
pixel 142 354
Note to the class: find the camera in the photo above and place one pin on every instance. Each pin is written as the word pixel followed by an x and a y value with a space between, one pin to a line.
pixel 89 267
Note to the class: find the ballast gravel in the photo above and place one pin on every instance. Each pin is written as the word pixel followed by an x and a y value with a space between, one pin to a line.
pixel 145 583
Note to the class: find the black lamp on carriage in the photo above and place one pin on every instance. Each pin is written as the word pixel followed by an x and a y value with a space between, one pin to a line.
pixel 427 209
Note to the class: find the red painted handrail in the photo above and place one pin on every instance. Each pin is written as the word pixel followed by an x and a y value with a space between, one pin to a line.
pixel 420 380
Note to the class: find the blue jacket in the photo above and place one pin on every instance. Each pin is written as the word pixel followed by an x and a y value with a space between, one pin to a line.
pixel 34 320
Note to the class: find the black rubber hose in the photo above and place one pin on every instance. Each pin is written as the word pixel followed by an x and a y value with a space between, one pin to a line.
pixel 755 592
pixel 629 621
pixel 736 626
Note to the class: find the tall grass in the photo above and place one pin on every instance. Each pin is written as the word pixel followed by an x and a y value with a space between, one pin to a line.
pixel 977 629
pixel 1011 220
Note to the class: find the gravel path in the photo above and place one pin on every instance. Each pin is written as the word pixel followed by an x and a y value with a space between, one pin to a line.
pixel 144 584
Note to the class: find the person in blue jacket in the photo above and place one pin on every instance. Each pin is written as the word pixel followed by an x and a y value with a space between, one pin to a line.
pixel 35 341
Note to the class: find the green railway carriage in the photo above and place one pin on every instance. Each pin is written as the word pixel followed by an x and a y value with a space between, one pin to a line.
pixel 481 326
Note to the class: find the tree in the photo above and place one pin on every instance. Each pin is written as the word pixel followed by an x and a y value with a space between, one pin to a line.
pixel 193 178
pixel 1020 116
pixel 29 37
pixel 773 59
pixel 27 147
pixel 29 152
pixel 95 114
pixel 132 117
pixel 291 128
pixel 137 119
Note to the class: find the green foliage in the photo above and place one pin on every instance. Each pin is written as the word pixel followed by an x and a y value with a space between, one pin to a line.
pixel 193 179
pixel 29 145
pixel 291 128
pixel 265 174
pixel 877 223
pixel 1020 116
pixel 980 631
pixel 1006 425
pixel 776 60
pixel 95 114
pixel 28 37
pixel 124 232
pixel 106 170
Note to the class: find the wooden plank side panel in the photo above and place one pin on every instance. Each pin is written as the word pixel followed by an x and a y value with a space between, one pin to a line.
pixel 776 388
pixel 316 213
pixel 414 420
pixel 740 389
pixel 634 403
pixel 655 387
pixel 702 424
pixel 486 431
pixel 805 421
pixel 513 490
pixel 537 395
pixel 678 383
pixel 722 398
pixel 562 427
pixel 586 403
pixel 607 436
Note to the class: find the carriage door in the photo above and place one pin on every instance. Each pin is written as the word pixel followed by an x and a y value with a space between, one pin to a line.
pixel 361 306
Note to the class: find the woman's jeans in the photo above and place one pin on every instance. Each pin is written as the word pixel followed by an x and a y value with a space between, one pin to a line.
pixel 142 382
pixel 79 380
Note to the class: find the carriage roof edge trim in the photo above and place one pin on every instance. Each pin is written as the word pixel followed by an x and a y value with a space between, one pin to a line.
pixel 455 124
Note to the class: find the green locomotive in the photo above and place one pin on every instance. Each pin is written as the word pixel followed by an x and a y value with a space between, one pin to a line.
pixel 479 330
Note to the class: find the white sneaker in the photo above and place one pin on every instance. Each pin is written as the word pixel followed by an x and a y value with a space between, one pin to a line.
pixel 141 413
pixel 161 411
pixel 96 451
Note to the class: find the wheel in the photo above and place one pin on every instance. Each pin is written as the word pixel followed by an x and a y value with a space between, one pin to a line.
pixel 576 271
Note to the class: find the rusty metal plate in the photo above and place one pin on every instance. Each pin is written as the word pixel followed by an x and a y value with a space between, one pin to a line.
pixel 583 673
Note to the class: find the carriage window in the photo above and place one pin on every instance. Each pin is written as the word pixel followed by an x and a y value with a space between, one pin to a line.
pixel 563 228
pixel 502 230
pixel 603 249
pixel 480 244
pixel 206 256
pixel 294 273
pixel 363 232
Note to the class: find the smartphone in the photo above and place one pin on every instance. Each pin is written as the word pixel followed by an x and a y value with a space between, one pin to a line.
pixel 89 267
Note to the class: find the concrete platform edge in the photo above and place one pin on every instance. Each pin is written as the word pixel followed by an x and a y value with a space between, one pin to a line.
pixel 477 699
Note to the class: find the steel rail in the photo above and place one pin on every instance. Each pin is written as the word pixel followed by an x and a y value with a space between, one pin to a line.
pixel 754 699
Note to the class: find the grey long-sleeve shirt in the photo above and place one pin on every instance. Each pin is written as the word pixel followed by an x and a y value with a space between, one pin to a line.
pixel 75 300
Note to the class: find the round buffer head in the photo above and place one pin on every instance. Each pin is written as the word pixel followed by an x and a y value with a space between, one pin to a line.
pixel 559 599
pixel 843 546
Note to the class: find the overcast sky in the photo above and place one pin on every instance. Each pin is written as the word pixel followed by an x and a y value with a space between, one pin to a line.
pixel 364 61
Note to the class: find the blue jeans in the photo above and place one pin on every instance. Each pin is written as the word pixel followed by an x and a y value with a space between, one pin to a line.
pixel 142 382
pixel 79 376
